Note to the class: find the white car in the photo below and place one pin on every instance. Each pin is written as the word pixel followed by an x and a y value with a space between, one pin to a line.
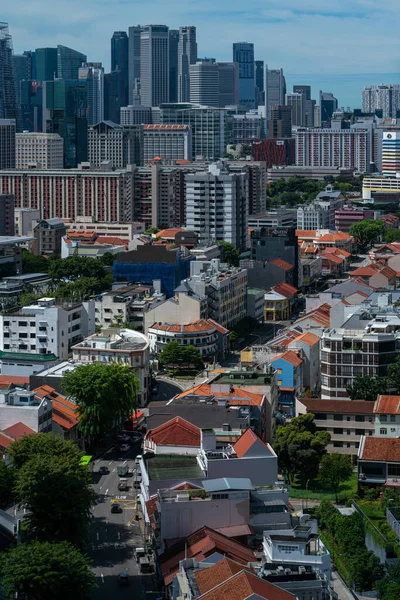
pixel 124 447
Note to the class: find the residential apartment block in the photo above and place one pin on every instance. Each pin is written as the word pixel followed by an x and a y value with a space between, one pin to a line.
pixel 39 151
pixel 341 148
pixel 167 142
pixel 113 143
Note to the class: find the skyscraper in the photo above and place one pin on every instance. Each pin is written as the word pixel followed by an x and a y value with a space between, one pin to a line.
pixel 243 54
pixel 9 108
pixel 280 123
pixel 328 104
pixel 7 143
pixel 64 112
pixel 275 89
pixel 133 62
pixel 119 62
pixel 46 64
pixel 93 74
pixel 173 64
pixel 21 69
pixel 154 65
pixel 228 76
pixel 204 83
pixel 308 104
pixel 68 62
pixel 295 101
pixel 381 97
pixel 391 153
pixel 259 79
pixel 32 105
pixel 187 55
pixel 114 91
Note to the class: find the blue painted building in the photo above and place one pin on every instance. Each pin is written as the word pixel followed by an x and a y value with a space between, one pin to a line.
pixel 289 378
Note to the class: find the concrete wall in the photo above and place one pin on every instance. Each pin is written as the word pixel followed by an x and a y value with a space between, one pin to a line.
pixel 185 311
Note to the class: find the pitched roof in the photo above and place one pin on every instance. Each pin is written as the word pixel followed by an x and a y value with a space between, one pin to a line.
pixel 388 272
pixel 290 357
pixel 209 578
pixel 5 440
pixel 337 260
pixel 8 380
pixel 65 412
pixel 366 271
pixel 199 545
pixel 337 251
pixel 282 264
pixel 237 395
pixel 243 585
pixel 176 432
pixel 320 315
pixel 218 327
pixel 349 407
pixel 309 233
pixel 18 430
pixel 387 405
pixel 334 237
pixel 195 327
pixel 381 449
pixel 247 441
pixel 285 289
pixel 169 233
pixel 308 338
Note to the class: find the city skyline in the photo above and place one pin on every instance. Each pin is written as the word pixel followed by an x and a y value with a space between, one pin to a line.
pixel 359 40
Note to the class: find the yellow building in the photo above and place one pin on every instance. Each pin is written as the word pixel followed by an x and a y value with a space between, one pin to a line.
pixel 278 302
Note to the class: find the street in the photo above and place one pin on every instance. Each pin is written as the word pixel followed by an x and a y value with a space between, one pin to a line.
pixel 165 391
pixel 114 537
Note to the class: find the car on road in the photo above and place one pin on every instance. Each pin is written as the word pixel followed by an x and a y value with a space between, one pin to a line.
pixel 104 470
pixel 137 459
pixel 124 448
pixel 124 439
pixel 116 508
pixel 138 437
pixel 123 485
pixel 123 578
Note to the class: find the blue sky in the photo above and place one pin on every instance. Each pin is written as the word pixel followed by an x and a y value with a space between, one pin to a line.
pixel 338 46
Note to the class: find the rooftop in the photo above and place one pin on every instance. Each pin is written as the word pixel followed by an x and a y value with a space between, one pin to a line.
pixel 387 405
pixel 351 407
pixel 246 585
pixel 230 394
pixel 176 432
pixel 196 327
pixel 308 338
pixel 380 449
pixel 290 357
pixel 29 356
pixel 174 466
pixel 227 484
pixel 210 577
pixel 250 443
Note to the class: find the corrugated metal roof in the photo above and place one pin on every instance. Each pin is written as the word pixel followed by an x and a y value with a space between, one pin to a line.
pixel 227 483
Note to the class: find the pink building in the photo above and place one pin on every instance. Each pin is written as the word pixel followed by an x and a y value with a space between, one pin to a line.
pixel 346 217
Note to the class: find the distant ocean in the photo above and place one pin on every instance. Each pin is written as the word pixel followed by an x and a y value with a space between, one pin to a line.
pixel 346 88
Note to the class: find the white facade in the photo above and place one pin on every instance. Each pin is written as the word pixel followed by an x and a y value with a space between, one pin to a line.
pixel 23 406
pixel 381 97
pixel 154 59
pixel 217 205
pixel 109 142
pixel 169 142
pixel 135 115
pixel 46 327
pixel 204 83
pixel 124 346
pixel 39 150
pixel 23 220
pixel 296 102
pixel 124 231
pixel 274 89
pixel 343 148
pixel 201 334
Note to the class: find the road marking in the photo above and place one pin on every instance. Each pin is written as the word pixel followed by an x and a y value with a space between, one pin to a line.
pixel 106 492
pixel 111 462
pixel 119 535
pixel 124 463
pixel 114 470
pixel 101 487
pixel 102 578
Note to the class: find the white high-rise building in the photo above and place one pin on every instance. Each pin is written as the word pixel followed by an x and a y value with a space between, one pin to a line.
pixel 187 55
pixel 342 148
pixel 39 150
pixel 169 142
pixel 135 115
pixel 381 97
pixel 296 101
pixel 204 83
pixel 154 65
pixel 120 145
pixel 93 74
pixel 217 205
pixel 275 89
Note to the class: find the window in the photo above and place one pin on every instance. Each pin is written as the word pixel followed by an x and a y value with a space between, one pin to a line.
pixel 279 371
pixel 23 335
pixel 360 418
pixel 220 496
pixel 279 382
pixel 287 549
pixel 22 323
pixel 393 418
pixel 383 431
pixel 338 444
pixel 383 418
pixel 320 416
pixel 6 335
pixel 338 431
pixel 349 432
pixel 394 469
pixel 360 431
pixel 338 417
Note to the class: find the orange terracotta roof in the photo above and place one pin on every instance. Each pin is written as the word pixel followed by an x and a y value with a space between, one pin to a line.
pixel 337 251
pixel 290 357
pixel 207 579
pixel 388 272
pixel 245 585
pixel 308 233
pixel 334 237
pixel 199 545
pixel 176 432
pixel 151 505
pixel 5 440
pixel 237 395
pixel 381 449
pixel 285 289
pixel 64 411
pixel 196 327
pixel 337 260
pixel 18 430
pixel 308 338
pixel 282 264
pixel 350 407
pixel 218 327
pixel 19 380
pixel 113 241
pixel 320 315
pixel 169 233
pixel 387 405
pixel 247 441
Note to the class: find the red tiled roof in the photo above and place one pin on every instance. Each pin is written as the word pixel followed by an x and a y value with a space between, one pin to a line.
pixel 381 449
pixel 337 251
pixel 366 271
pixel 114 241
pixel 290 357
pixel 18 430
pixel 350 407
pixel 186 486
pixel 308 338
pixel 320 315
pixel 247 441
pixel 218 327
pixel 197 326
pixel 5 440
pixel 334 237
pixel 309 233
pixel 209 578
pixel 176 432
pixel 199 545
pixel 151 505
pixel 282 264
pixel 332 258
pixel 7 380
pixel 388 272
pixel 387 405
pixel 169 233
pixel 285 289
pixel 64 411
pixel 238 394
pixel 244 585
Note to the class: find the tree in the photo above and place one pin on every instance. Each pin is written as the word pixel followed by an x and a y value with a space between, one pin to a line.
pixel 74 267
pixel 34 264
pixel 363 387
pixel 389 587
pixel 40 570
pixel 334 470
pixel 300 447
pixel 367 231
pixel 176 356
pixel 392 235
pixel 230 254
pixel 57 493
pixel 42 444
pixel 7 475
pixel 105 395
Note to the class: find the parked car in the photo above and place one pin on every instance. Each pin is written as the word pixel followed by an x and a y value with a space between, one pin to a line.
pixel 124 438
pixel 124 447
pixel 123 578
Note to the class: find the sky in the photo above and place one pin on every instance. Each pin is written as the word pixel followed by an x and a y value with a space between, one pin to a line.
pixel 336 46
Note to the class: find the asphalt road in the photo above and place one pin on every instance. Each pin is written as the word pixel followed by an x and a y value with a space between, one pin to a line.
pixel 165 391
pixel 114 537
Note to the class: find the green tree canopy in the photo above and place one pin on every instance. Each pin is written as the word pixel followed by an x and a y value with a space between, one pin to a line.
pixel 389 587
pixel 43 570
pixel 367 231
pixel 105 395
pixel 176 356
pixel 74 267
pixel 334 470
pixel 392 235
pixel 57 493
pixel 42 444
pixel 7 475
pixel 363 387
pixel 34 264
pixel 230 254
pixel 300 447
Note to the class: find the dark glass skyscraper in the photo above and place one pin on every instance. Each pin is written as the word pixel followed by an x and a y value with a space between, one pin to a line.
pixel 134 62
pixel 243 54
pixel 32 106
pixel 328 104
pixel 68 62
pixel 46 64
pixel 120 61
pixel 259 78
pixel 113 93
pixel 9 107
pixel 64 111
pixel 173 64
